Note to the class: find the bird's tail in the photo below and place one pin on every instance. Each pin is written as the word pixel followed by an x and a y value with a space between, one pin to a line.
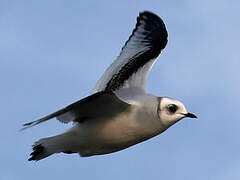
pixel 48 146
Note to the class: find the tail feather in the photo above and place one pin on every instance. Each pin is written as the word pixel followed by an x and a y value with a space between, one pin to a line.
pixel 37 150
pixel 45 147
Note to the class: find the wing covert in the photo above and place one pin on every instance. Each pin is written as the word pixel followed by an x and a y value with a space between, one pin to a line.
pixel 95 105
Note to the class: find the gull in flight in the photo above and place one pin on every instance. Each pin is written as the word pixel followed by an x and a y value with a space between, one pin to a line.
pixel 119 113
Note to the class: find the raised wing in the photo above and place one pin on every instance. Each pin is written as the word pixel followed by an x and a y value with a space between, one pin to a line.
pixel 96 105
pixel 138 55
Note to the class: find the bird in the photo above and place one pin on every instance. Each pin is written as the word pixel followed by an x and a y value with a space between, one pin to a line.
pixel 119 113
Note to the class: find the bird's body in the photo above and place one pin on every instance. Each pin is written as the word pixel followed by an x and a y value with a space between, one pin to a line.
pixel 119 113
pixel 102 135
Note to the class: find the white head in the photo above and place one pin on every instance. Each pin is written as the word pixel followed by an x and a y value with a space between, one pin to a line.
pixel 171 111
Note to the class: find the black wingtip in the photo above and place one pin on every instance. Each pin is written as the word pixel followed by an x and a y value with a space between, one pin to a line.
pixel 37 149
pixel 149 13
pixel 27 125
pixel 158 22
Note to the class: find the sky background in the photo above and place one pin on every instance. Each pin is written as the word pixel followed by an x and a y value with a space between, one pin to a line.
pixel 53 52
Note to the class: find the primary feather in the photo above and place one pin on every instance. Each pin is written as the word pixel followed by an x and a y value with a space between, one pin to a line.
pixel 138 54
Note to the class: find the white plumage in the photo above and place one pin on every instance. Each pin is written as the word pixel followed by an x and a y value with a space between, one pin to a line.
pixel 119 113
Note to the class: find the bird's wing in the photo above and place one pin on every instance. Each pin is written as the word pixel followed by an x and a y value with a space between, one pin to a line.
pixel 138 55
pixel 96 105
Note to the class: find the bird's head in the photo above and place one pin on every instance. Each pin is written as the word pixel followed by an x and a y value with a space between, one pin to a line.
pixel 171 111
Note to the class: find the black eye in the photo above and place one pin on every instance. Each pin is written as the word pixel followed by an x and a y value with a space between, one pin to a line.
pixel 172 108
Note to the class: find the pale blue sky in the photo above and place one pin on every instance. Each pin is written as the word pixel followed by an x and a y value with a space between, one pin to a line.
pixel 53 52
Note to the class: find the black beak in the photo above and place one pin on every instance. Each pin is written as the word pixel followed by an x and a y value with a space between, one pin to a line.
pixel 190 115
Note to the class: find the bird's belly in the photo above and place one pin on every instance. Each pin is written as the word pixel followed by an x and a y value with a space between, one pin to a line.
pixel 102 136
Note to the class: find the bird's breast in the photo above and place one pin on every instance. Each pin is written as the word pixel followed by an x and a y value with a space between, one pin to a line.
pixel 106 135
pixel 124 129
